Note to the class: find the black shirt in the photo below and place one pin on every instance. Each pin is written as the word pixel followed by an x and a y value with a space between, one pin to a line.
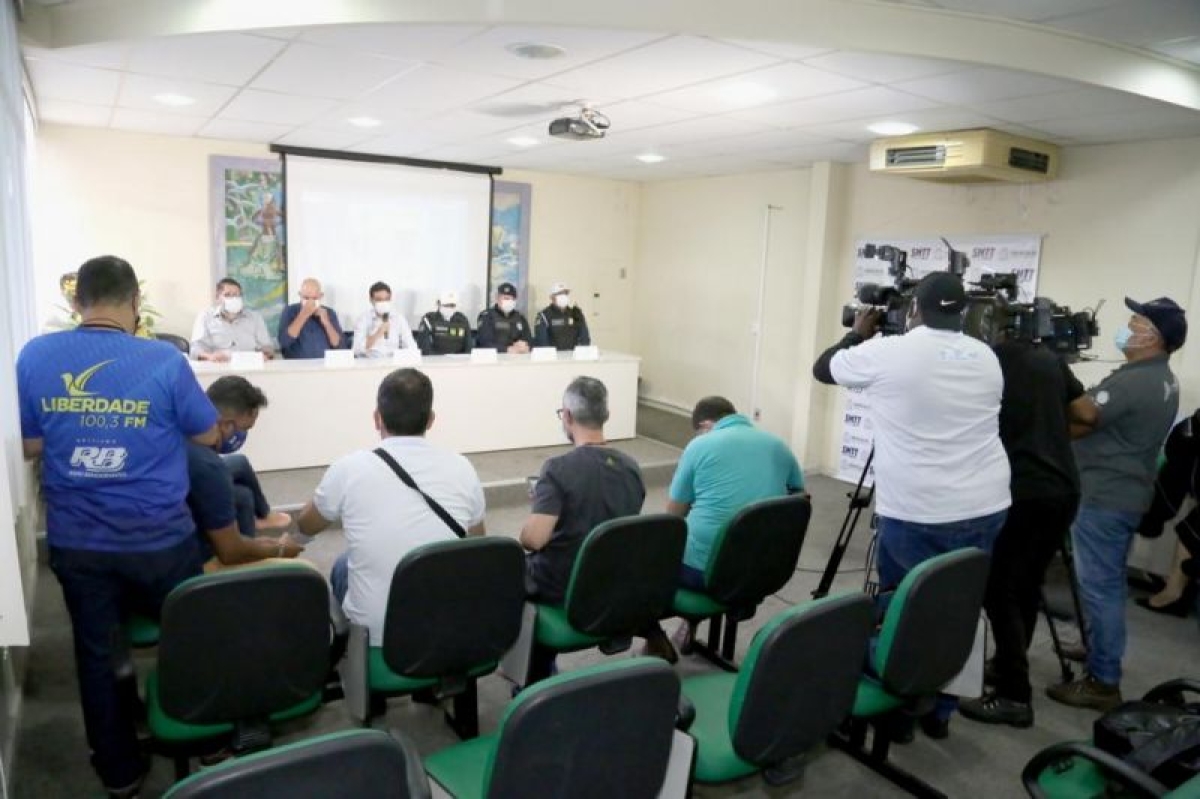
pixel 1034 428
pixel 583 488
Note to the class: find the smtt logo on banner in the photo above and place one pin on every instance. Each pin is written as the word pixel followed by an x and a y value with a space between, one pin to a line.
pixel 99 460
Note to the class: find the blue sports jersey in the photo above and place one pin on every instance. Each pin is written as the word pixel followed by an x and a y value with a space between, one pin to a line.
pixel 114 412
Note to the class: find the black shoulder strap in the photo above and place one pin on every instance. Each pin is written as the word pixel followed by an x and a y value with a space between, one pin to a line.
pixel 433 505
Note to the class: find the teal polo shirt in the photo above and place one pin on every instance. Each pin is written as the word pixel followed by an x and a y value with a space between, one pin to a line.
pixel 724 470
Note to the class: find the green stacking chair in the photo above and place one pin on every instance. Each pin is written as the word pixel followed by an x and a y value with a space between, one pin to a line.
pixel 1080 770
pixel 795 687
pixel 927 635
pixel 599 732
pixel 364 764
pixel 453 609
pixel 239 651
pixel 622 583
pixel 754 557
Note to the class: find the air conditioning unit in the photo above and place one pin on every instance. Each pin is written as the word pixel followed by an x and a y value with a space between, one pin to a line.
pixel 966 156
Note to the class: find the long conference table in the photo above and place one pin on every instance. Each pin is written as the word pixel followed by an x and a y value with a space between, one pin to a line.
pixel 317 412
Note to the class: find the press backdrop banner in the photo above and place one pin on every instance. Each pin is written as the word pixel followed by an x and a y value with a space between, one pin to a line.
pixel 989 255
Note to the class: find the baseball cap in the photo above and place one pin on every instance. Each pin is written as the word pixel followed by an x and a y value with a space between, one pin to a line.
pixel 1166 316
pixel 448 298
pixel 559 288
pixel 941 299
pixel 507 289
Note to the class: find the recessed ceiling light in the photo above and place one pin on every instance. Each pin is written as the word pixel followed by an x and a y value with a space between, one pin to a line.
pixel 892 128
pixel 364 122
pixel 746 93
pixel 174 100
pixel 523 141
pixel 651 158
pixel 535 50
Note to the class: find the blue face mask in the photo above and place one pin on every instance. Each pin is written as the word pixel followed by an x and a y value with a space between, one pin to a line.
pixel 233 443
pixel 1121 339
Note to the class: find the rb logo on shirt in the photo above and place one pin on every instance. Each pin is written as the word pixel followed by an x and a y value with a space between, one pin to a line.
pixel 100 459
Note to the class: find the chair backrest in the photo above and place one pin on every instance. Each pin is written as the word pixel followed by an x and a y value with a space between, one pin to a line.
pixel 244 643
pixel 625 574
pixel 454 606
pixel 602 731
pixel 181 343
pixel 366 764
pixel 799 678
pixel 757 552
pixel 929 627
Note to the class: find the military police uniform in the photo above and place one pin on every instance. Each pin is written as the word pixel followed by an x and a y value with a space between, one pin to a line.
pixel 437 336
pixel 501 330
pixel 561 328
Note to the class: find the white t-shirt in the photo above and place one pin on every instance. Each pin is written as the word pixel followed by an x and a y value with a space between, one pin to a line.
pixel 399 335
pixel 935 410
pixel 385 519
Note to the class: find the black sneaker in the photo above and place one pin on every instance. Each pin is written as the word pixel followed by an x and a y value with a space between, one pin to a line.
pixel 935 728
pixel 1086 692
pixel 993 709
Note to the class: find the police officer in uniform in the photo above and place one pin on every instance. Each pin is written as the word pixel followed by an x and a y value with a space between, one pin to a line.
pixel 561 324
pixel 502 326
pixel 445 331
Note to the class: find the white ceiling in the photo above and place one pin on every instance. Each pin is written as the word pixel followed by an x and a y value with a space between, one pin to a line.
pixel 455 93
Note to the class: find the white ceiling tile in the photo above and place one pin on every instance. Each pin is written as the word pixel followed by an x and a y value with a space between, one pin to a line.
pixel 324 139
pixel 65 112
pixel 983 85
pixel 139 91
pixel 286 34
pixel 857 104
pixel 1139 23
pixel 1124 127
pixel 880 68
pixel 54 80
pixel 252 105
pixel 843 152
pixel 431 88
pixel 243 131
pixel 634 114
pixel 102 56
pixel 658 67
pixel 785 81
pixel 405 144
pixel 487 53
pixel 534 100
pixel 1030 10
pixel 784 50
pixel 155 122
pixel 470 153
pixel 1076 103
pixel 1185 49
pixel 410 42
pixel 935 119
pixel 307 69
pixel 229 58
pixel 688 131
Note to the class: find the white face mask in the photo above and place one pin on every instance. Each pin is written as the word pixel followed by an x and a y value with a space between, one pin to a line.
pixel 383 307
pixel 562 300
pixel 231 305
pixel 448 312
pixel 507 305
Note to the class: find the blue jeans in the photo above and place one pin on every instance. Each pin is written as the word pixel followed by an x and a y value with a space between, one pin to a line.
pixel 100 589
pixel 339 577
pixel 902 546
pixel 248 497
pixel 1102 539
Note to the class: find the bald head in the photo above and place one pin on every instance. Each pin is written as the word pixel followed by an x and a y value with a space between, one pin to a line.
pixel 310 289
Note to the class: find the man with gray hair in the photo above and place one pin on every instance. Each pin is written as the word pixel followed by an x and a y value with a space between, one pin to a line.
pixel 577 491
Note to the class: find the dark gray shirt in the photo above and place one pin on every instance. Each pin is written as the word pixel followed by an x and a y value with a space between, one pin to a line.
pixel 1117 462
pixel 584 487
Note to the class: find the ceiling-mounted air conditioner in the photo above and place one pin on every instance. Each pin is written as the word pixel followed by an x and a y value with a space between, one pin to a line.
pixel 966 156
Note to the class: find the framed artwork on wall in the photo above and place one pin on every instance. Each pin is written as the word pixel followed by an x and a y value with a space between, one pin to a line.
pixel 248 241
pixel 509 258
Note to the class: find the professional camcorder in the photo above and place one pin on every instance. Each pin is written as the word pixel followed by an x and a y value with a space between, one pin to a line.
pixel 992 308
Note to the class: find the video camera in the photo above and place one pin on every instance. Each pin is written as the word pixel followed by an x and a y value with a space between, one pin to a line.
pixel 992 307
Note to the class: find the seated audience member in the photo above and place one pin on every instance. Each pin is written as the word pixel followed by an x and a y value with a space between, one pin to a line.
pixel 379 331
pixel 238 402
pixel 561 324
pixel 65 317
pixel 730 464
pixel 229 326
pixel 445 331
pixel 307 328
pixel 382 518
pixel 503 327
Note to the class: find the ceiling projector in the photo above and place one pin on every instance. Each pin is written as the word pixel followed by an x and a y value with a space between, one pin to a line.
pixel 589 124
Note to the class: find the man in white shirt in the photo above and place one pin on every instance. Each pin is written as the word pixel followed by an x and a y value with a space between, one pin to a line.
pixel 384 519
pixel 229 326
pixel 941 472
pixel 380 331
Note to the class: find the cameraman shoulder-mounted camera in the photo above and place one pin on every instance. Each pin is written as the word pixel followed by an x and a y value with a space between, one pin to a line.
pixel 992 312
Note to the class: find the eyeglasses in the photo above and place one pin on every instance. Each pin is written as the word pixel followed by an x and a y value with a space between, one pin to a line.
pixel 559 412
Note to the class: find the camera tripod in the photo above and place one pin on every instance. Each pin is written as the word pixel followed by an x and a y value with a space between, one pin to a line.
pixel 858 503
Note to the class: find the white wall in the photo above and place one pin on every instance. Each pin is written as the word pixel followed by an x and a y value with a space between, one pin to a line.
pixel 700 257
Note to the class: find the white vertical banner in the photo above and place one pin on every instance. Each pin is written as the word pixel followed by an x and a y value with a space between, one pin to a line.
pixel 1000 254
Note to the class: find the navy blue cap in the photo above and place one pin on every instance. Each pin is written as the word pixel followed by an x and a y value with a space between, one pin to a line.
pixel 507 289
pixel 1166 316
